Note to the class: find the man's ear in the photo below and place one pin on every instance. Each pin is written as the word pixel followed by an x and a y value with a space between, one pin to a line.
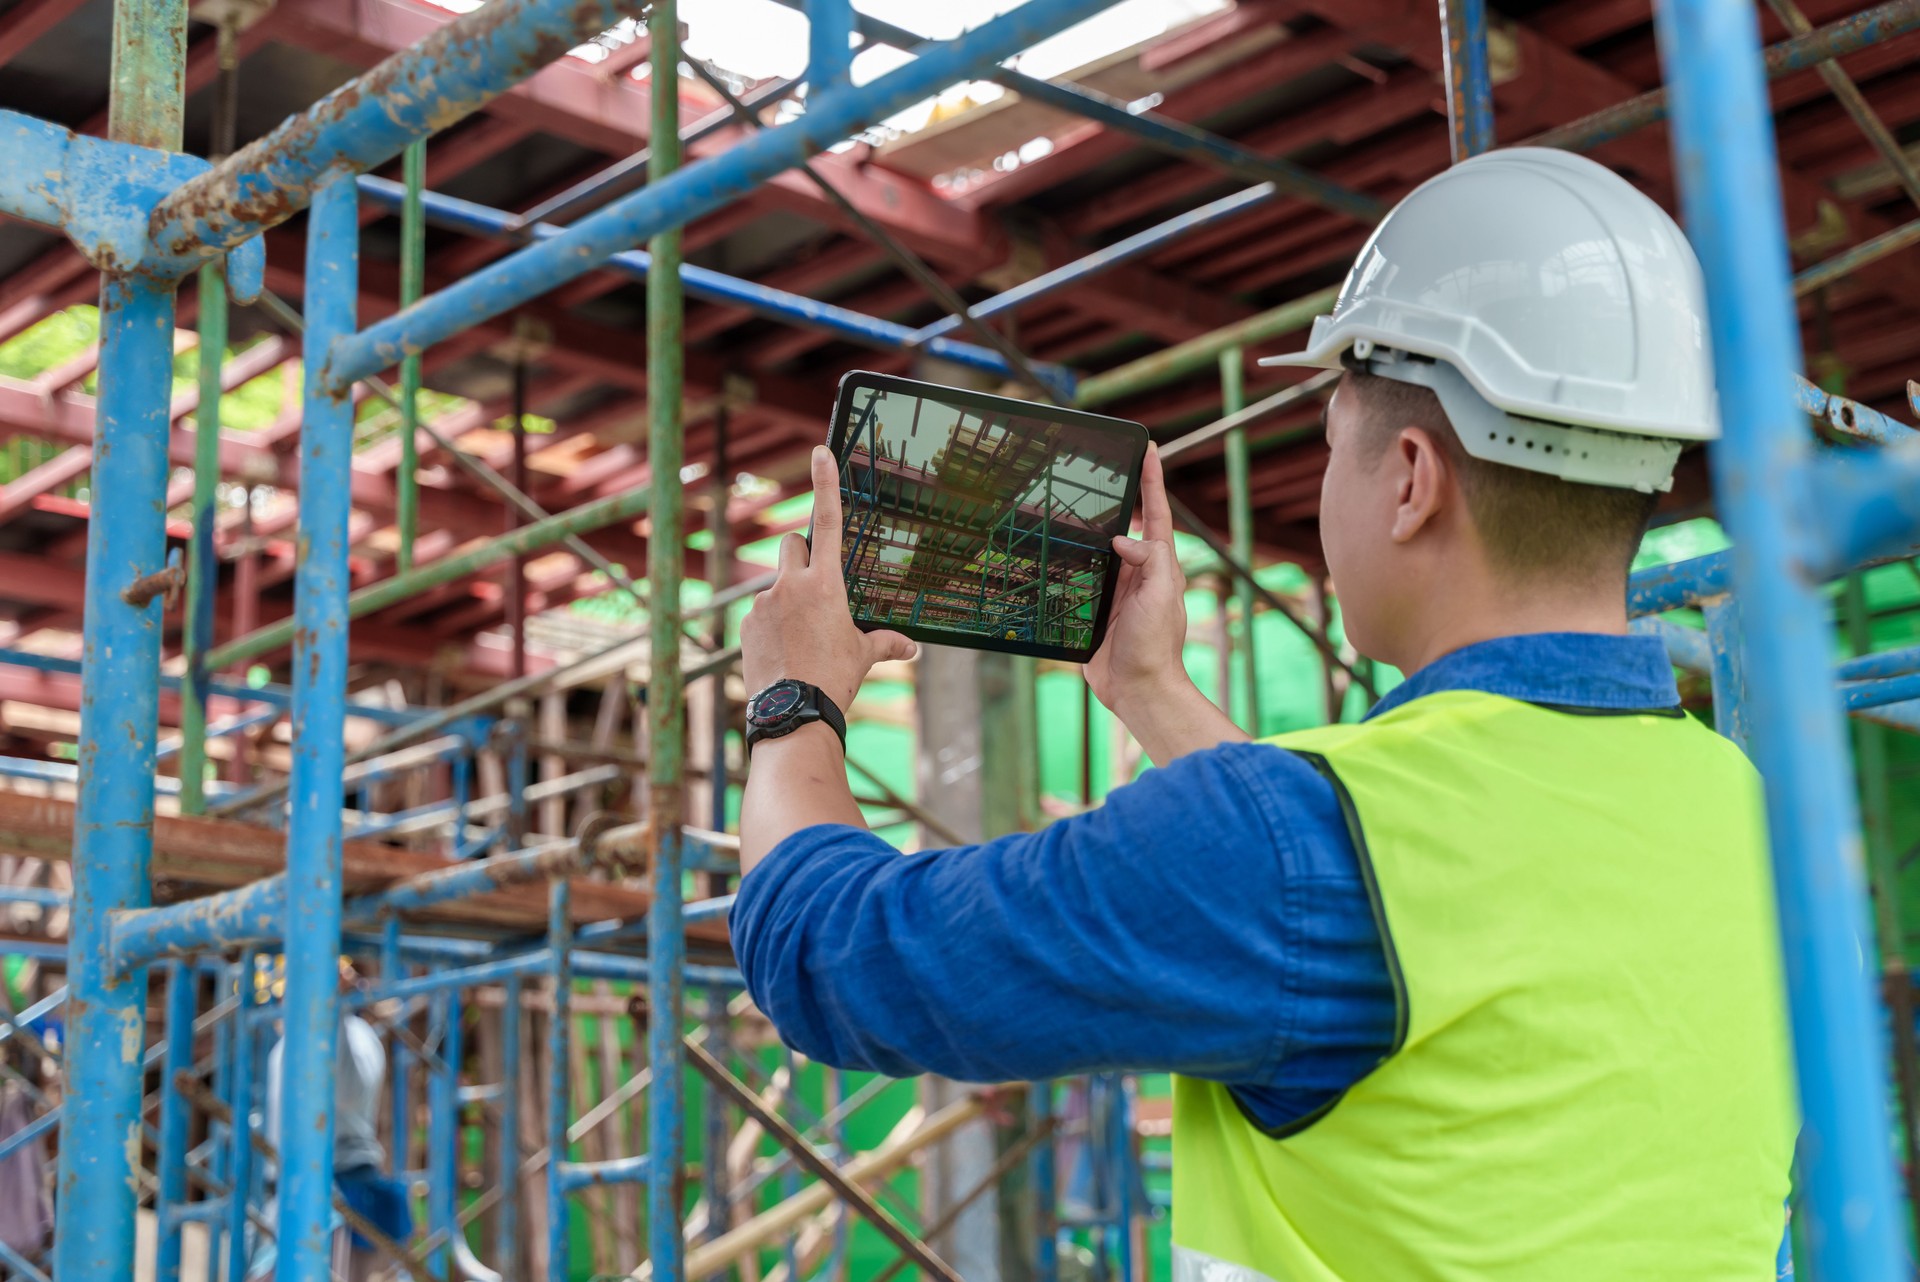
pixel 1425 480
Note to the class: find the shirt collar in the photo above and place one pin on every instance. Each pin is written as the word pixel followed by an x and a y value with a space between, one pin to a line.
pixel 1570 669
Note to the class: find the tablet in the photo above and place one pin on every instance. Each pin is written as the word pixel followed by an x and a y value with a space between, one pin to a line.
pixel 981 521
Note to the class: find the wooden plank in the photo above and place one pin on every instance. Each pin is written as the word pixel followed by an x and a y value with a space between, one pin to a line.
pixel 193 854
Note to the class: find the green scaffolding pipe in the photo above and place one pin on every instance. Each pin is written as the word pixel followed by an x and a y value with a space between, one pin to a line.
pixel 666 683
pixel 528 538
pixel 1233 399
pixel 413 270
pixel 203 562
pixel 1198 353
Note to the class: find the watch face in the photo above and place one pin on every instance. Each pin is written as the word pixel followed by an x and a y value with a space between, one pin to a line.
pixel 776 702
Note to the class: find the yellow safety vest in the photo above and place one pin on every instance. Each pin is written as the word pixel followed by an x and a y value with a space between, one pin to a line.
pixel 1591 1079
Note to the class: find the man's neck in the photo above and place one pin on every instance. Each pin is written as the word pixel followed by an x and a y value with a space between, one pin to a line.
pixel 1457 623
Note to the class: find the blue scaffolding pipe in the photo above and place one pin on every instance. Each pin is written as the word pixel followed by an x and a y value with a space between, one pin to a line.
pixel 277 696
pixel 20 1265
pixel 702 282
pixel 1888 663
pixel 1463 33
pixel 617 1170
pixel 1868 506
pixel 311 1008
pixel 113 823
pixel 1104 259
pixel 1850 418
pixel 462 881
pixel 366 122
pixel 1730 188
pixel 829 45
pixel 255 913
pixel 33 181
pixel 691 192
pixel 170 1166
pixel 507 1172
pixel 1679 584
pixel 1879 694
pixel 68 772
pixel 39 1010
pixel 240 1073
pixel 224 728
pixel 41 895
pixel 443 1129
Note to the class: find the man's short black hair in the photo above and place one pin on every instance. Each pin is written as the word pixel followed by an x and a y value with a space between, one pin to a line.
pixel 1533 525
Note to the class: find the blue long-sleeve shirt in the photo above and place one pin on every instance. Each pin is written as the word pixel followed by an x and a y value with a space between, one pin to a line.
pixel 1209 919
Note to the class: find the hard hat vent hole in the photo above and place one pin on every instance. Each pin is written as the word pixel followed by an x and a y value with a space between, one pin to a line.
pixel 1529 444
pixel 1509 440
pixel 1549 449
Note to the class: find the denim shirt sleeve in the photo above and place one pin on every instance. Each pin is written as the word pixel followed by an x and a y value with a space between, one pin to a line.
pixel 1209 919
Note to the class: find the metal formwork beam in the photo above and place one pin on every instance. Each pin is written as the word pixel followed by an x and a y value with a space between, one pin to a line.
pixel 697 190
pixel 1834 40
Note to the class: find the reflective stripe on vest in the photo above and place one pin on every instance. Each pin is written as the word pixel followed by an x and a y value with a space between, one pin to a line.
pixel 1591 1080
pixel 1190 1265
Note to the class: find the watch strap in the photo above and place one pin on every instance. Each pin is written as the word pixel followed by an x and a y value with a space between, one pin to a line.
pixel 814 706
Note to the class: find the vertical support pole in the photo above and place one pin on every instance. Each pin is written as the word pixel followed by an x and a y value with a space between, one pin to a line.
pixel 717 1191
pixel 1730 716
pixel 1883 871
pixel 246 617
pixel 829 45
pixel 240 1156
pixel 1463 25
pixel 517 596
pixel 506 1216
pixel 392 969
pixel 560 1076
pixel 443 1132
pixel 120 693
pixel 203 566
pixel 413 260
pixel 171 1164
pixel 666 709
pixel 1722 129
pixel 1046 1187
pixel 1233 399
pixel 119 709
pixel 312 1007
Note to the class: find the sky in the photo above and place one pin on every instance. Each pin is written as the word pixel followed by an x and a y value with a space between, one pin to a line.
pixel 760 39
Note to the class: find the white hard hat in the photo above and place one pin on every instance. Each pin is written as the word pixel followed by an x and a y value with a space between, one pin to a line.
pixel 1558 313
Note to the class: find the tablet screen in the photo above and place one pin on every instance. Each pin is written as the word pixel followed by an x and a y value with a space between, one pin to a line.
pixel 979 520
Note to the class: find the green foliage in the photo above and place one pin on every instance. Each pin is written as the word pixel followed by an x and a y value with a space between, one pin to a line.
pixel 50 344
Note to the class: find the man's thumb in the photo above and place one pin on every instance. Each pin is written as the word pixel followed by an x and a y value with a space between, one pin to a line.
pixel 885 646
pixel 1135 552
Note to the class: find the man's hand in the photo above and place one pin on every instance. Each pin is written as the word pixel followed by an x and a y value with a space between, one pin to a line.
pixel 1139 672
pixel 800 627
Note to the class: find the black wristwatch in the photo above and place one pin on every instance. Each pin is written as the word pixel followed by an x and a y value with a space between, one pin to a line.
pixel 785 706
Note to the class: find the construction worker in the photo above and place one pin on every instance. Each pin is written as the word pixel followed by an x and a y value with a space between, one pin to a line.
pixel 1484 987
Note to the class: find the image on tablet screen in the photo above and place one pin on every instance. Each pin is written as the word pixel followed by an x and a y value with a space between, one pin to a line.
pixel 980 524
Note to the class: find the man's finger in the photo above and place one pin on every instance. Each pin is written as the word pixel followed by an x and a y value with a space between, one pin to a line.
pixel 885 646
pixel 826 507
pixel 1133 551
pixel 793 554
pixel 1156 514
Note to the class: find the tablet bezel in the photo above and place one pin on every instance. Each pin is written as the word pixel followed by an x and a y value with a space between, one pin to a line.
pixel 1133 433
